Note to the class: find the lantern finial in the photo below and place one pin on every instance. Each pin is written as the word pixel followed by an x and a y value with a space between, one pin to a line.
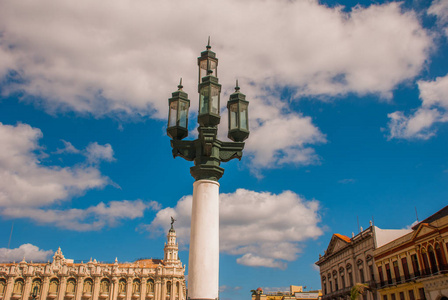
pixel 180 86
pixel 208 44
pixel 237 88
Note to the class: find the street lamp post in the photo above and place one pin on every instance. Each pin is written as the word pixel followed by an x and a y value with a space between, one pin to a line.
pixel 207 152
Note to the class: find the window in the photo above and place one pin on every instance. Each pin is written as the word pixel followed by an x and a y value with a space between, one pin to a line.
pixel 361 275
pixel 54 285
pixel 18 286
pixel 396 272
pixel 71 285
pixel 104 286
pixel 402 296
pixel 380 274
pixel 392 296
pixel 404 265
pixel 88 286
pixel 136 286
pixel 331 287
pixel 415 267
pixel 350 277
pixel 421 292
pixel 384 297
pixel 432 259
pixel 426 270
pixel 372 275
pixel 336 285
pixel 2 286
pixel 150 286
pixel 440 258
pixel 168 287
pixel 388 274
pixel 411 295
pixel 343 281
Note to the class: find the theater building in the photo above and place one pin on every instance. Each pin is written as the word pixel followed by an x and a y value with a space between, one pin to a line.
pixel 62 279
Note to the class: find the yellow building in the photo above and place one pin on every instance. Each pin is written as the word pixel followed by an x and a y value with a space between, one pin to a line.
pixel 414 266
pixel 62 279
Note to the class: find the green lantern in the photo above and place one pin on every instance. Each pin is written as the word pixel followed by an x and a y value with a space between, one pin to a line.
pixel 178 114
pixel 237 107
pixel 209 101
pixel 208 63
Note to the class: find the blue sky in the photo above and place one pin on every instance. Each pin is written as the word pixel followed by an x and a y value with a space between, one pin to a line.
pixel 348 119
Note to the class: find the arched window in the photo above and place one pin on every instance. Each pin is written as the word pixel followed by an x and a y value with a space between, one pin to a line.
pixel 440 257
pixel 71 286
pixel 122 286
pixel 2 286
pixel 177 288
pixel 104 286
pixel 18 286
pixel 136 286
pixel 88 286
pixel 426 270
pixel 36 286
pixel 54 286
pixel 432 259
pixel 168 287
pixel 150 286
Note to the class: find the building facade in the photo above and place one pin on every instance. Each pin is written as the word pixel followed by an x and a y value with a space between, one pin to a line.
pixel 62 279
pixel 414 266
pixel 348 261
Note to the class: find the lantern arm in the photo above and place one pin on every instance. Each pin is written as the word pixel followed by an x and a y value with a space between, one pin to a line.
pixel 231 150
pixel 184 149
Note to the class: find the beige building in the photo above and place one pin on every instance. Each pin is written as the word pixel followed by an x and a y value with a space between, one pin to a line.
pixel 295 293
pixel 414 266
pixel 62 279
pixel 348 261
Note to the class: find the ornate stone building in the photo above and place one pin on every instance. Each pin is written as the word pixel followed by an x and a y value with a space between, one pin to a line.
pixel 348 261
pixel 62 279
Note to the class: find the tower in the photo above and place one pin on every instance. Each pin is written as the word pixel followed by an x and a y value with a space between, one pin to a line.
pixel 171 249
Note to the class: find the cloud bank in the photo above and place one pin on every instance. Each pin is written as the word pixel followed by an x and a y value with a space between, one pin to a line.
pixel 422 122
pixel 31 189
pixel 28 252
pixel 262 229
pixel 124 58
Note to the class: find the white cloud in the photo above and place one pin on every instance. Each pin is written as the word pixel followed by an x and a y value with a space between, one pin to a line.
pixel 121 57
pixel 96 153
pixel 27 251
pixel 91 218
pixel 68 148
pixel 250 229
pixel 27 182
pixel 30 189
pixel 439 8
pixel 420 124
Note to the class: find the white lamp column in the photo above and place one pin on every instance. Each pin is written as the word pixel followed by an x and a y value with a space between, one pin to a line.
pixel 203 266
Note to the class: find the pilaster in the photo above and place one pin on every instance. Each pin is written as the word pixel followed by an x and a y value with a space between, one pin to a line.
pixel 96 287
pixel 128 288
pixel 27 288
pixel 45 286
pixel 62 288
pixel 9 287
pixel 79 288
pixel 143 288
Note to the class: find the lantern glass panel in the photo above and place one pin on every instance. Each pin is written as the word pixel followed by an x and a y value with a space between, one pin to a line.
pixel 207 63
pixel 214 100
pixel 173 114
pixel 183 114
pixel 243 116
pixel 233 110
pixel 204 101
